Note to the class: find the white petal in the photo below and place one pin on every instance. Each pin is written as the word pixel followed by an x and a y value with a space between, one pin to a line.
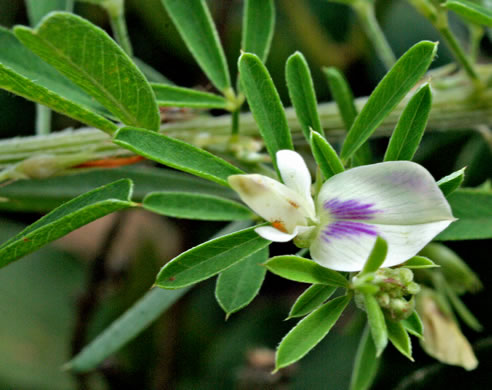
pixel 275 235
pixel 392 193
pixel 273 201
pixel 272 234
pixel 295 174
pixel 345 245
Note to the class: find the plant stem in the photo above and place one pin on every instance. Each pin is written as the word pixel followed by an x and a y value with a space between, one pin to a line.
pixel 452 109
pixel 366 12
pixel 458 52
pixel 118 25
pixel 43 120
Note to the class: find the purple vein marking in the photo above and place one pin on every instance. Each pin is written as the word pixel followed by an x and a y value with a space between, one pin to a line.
pixel 350 209
pixel 344 229
pixel 346 214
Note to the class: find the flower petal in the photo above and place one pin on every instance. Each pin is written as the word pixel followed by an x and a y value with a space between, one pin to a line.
pixel 392 193
pixel 282 207
pixel 345 245
pixel 295 174
pixel 398 201
pixel 272 234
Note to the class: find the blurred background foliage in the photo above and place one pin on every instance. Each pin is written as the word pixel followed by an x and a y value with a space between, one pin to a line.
pixel 48 312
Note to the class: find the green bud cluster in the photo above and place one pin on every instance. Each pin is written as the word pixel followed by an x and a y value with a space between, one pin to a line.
pixel 394 290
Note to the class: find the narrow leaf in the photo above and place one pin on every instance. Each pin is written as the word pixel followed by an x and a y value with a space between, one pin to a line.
pixel 36 9
pixel 302 93
pixel 175 154
pixel 401 78
pixel 366 364
pixel 309 332
pixel 410 128
pixel 419 262
pixel 195 25
pixel 66 218
pixel 376 257
pixel 303 270
pixel 43 195
pixel 238 285
pixel 399 338
pixel 342 94
pixel 311 299
pixel 258 27
pixel 265 104
pixel 344 98
pixel 87 55
pixel 463 312
pixel 23 73
pixel 209 258
pixel 171 96
pixel 448 184
pixel 131 323
pixel 471 11
pixel 375 318
pixel 413 324
pixel 135 320
pixel 195 206
pixel 324 154
pixel 473 209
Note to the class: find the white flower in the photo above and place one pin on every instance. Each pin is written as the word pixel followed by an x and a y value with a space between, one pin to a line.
pixel 398 201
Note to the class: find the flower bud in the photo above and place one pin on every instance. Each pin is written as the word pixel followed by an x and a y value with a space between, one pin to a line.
pixel 443 339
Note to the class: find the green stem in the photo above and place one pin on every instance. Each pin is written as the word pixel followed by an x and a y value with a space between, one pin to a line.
pixel 366 12
pixel 476 35
pixel 118 25
pixel 69 5
pixel 235 122
pixel 451 109
pixel 458 52
pixel 43 120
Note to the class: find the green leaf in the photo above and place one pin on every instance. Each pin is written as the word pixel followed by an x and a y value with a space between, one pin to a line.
pixel 209 258
pixel 366 364
pixel 344 98
pixel 258 27
pixel 399 338
pixel 342 94
pixel 125 328
pixel 303 270
pixel 473 208
pixel 410 127
pixel 302 93
pixel 136 319
pixel 419 262
pixel 413 325
pixel 375 318
pixel 324 154
pixel 309 332
pixel 66 218
pixel 87 55
pixel 448 184
pixel 376 257
pixel 195 25
pixel 265 104
pixel 463 312
pixel 150 73
pixel 238 285
pixel 471 11
pixel 195 206
pixel 171 96
pixel 36 9
pixel 24 74
pixel 175 154
pixel 45 194
pixel 401 78
pixel 311 299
